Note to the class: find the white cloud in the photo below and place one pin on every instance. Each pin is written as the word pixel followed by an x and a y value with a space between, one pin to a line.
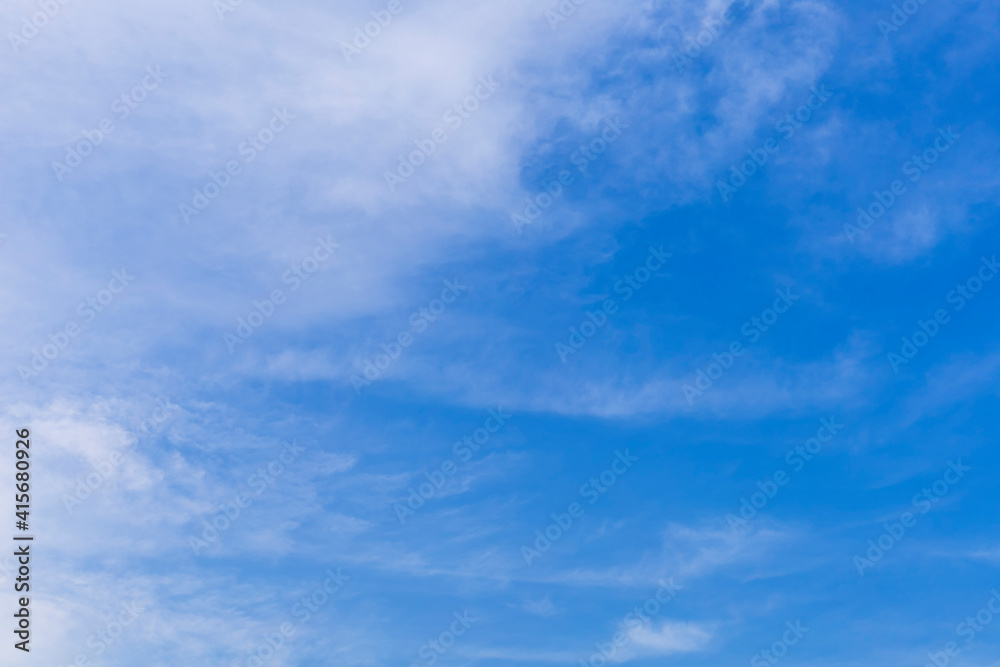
pixel 663 639
pixel 542 607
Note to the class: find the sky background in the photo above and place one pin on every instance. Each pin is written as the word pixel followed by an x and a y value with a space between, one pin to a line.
pixel 190 419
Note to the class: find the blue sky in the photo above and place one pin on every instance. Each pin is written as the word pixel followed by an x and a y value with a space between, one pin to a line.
pixel 513 334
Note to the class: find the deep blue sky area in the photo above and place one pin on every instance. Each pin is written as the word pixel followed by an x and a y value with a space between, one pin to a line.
pixel 527 333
